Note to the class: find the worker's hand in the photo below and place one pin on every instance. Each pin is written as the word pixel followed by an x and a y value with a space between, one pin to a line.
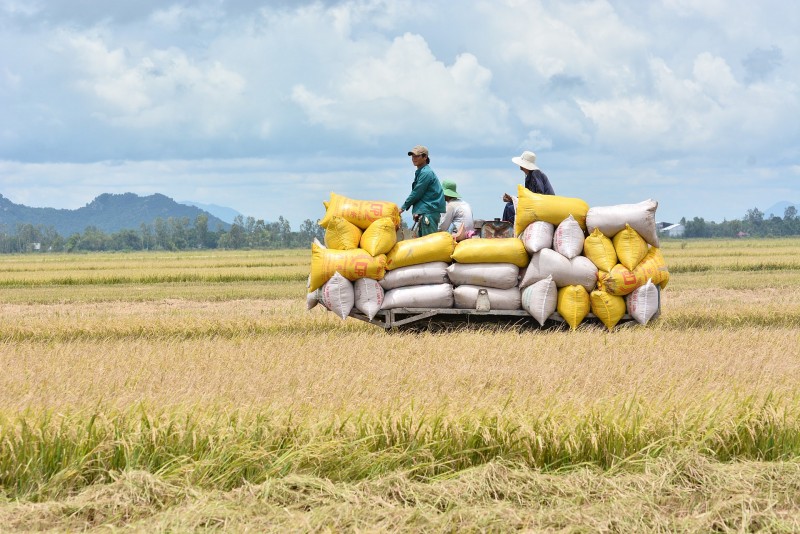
pixel 506 197
pixel 402 210
pixel 416 217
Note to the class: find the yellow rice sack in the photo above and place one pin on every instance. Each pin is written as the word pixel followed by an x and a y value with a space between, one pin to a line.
pixel 573 304
pixel 630 246
pixel 600 249
pixel 380 237
pixel 554 209
pixel 501 250
pixel 432 247
pixel 653 267
pixel 618 281
pixel 362 213
pixel 608 308
pixel 342 235
pixel 352 264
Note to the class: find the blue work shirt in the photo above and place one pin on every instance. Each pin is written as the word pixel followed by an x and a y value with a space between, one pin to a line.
pixel 536 182
pixel 426 193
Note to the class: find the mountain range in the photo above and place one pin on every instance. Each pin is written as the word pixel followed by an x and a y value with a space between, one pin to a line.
pixel 108 212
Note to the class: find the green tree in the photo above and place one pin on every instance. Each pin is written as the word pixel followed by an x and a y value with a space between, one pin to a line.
pixel 201 238
pixel 310 230
pixel 163 238
pixel 126 240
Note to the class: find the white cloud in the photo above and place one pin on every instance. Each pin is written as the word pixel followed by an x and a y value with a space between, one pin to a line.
pixel 408 86
pixel 714 76
pixel 154 88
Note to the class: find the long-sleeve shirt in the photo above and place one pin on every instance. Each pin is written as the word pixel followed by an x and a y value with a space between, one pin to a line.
pixel 458 213
pixel 426 193
pixel 536 182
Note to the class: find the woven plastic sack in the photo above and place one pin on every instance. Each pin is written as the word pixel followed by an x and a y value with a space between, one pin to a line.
pixel 379 237
pixel 611 219
pixel 342 235
pixel 540 299
pixel 546 262
pixel 502 250
pixel 352 264
pixel 368 296
pixel 362 213
pixel 600 250
pixel 630 247
pixel 434 272
pixel 538 235
pixel 643 302
pixel 338 296
pixel 313 298
pixel 466 297
pixel 438 246
pixel 549 208
pixel 497 275
pixel 423 296
pixel 573 304
pixel 564 271
pixel 653 267
pixel 568 238
pixel 610 309
pixel 618 281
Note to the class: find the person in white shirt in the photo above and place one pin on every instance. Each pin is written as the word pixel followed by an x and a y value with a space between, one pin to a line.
pixel 458 217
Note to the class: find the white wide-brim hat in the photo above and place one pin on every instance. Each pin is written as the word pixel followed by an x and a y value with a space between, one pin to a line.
pixel 527 160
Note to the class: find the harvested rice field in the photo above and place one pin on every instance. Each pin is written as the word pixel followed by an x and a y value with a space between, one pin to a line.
pixel 175 392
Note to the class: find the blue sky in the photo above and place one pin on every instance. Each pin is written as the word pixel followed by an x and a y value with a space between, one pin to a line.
pixel 268 107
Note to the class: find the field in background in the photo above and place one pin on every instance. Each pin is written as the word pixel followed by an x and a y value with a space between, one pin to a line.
pixel 182 391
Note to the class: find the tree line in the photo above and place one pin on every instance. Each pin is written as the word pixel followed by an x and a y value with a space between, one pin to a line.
pixel 172 233
pixel 175 233
pixel 754 224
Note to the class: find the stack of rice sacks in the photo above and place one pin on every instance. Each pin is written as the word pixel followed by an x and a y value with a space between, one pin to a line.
pixel 345 271
pixel 567 258
pixel 608 272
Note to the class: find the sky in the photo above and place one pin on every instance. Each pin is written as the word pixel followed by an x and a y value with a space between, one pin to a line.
pixel 268 107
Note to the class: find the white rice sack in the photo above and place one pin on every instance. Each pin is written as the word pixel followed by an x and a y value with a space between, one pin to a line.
pixel 368 296
pixel 338 295
pixel 313 298
pixel 497 275
pixel 546 262
pixel 537 235
pixel 422 296
pixel 643 302
pixel 540 299
pixel 582 272
pixel 466 297
pixel 434 272
pixel 568 238
pixel 611 219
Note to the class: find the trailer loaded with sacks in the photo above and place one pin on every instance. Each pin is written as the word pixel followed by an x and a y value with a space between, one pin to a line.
pixel 564 263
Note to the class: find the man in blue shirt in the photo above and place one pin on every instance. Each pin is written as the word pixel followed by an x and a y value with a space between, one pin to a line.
pixel 427 196
pixel 535 181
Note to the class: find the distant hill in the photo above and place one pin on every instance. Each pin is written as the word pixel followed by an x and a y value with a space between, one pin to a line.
pixel 778 209
pixel 226 214
pixel 108 212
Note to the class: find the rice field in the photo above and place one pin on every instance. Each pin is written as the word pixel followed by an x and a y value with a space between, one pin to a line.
pixel 163 392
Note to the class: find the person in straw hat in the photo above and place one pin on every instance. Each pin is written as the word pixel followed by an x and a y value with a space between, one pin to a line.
pixel 458 217
pixel 535 181
pixel 426 195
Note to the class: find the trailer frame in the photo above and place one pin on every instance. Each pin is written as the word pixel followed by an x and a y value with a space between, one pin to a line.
pixel 481 315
